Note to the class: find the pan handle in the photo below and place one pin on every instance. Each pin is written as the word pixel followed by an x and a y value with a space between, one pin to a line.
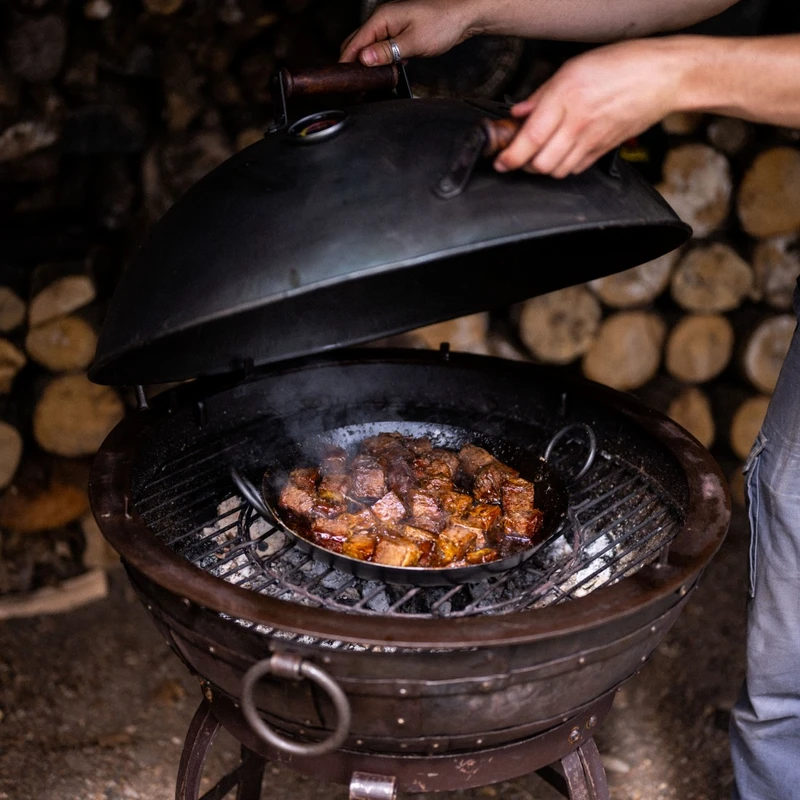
pixel 294 668
pixel 252 495
pixel 560 434
pixel 340 79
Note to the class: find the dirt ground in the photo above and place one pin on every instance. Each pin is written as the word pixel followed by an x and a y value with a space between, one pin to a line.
pixel 93 706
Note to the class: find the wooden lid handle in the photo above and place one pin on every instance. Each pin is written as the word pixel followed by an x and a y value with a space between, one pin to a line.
pixel 499 134
pixel 340 79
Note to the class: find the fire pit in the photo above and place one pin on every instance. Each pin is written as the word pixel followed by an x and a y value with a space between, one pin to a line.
pixel 389 687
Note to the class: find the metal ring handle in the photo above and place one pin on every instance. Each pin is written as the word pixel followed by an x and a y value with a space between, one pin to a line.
pixel 252 495
pixel 295 668
pixel 560 434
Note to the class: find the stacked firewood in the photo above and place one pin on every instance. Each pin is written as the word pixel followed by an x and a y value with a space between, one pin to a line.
pixel 702 332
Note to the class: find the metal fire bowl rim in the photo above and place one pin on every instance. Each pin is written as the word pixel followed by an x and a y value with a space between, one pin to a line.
pixel 706 522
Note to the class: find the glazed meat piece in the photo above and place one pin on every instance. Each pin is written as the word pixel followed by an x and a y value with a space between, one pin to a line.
pixel 305 478
pixel 400 476
pixel 419 446
pixel 330 533
pixel 523 527
pixel 334 461
pixel 483 556
pixel 364 520
pixel 332 495
pixel 453 543
pixel 367 478
pixel 483 516
pixel 436 464
pixel 425 511
pixel 471 458
pixel 517 497
pixel 382 444
pixel 394 551
pixel 360 545
pixel 300 493
pixel 488 486
pixel 389 508
pixel 455 503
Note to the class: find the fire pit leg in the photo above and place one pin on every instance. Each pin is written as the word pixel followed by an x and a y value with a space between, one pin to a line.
pixel 580 775
pixel 202 731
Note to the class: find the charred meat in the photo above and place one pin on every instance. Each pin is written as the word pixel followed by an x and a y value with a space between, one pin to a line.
pixel 402 502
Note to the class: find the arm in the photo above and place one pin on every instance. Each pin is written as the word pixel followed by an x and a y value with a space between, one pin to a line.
pixel 601 98
pixel 430 27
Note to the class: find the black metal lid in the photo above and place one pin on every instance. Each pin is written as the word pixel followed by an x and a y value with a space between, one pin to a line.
pixel 330 233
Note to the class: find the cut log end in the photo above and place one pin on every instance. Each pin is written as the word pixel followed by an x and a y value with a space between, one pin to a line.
pixel 769 197
pixel 712 279
pixel 627 351
pixel 765 350
pixel 747 422
pixel 776 264
pixel 692 410
pixel 559 327
pixel 73 416
pixel 12 360
pixel 699 347
pixel 58 289
pixel 638 286
pixel 12 310
pixel 465 334
pixel 62 345
pixel 11 446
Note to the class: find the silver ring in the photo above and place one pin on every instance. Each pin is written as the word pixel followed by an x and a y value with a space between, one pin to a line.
pixel 396 55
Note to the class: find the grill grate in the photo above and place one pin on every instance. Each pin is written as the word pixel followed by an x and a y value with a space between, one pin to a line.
pixel 618 521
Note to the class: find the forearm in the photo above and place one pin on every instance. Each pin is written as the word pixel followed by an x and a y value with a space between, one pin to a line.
pixel 589 20
pixel 756 79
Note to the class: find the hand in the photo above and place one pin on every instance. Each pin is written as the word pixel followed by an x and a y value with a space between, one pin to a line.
pixel 595 102
pixel 419 28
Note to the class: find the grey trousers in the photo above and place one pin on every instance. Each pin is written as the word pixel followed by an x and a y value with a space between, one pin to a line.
pixel 765 724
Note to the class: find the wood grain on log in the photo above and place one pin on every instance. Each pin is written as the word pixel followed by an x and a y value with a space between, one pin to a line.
pixel 12 360
pixel 699 347
pixel 692 410
pixel 11 446
pixel 638 286
pixel 59 289
pixel 12 309
pixel 627 350
pixel 765 349
pixel 697 184
pixel 776 265
pixel 747 422
pixel 769 197
pixel 73 416
pixel 711 279
pixel 62 345
pixel 559 327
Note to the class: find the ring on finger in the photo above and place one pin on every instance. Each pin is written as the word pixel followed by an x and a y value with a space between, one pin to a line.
pixel 396 55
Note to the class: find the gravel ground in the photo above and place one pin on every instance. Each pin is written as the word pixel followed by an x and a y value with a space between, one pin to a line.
pixel 93 706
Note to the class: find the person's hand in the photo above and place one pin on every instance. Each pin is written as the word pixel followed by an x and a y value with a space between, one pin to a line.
pixel 418 27
pixel 595 102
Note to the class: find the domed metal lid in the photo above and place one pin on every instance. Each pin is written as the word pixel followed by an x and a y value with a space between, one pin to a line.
pixel 334 232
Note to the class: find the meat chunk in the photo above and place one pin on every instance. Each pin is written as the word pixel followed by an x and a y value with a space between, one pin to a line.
pixel 360 546
pixel 296 500
pixel 330 533
pixel 437 463
pixel 367 479
pixel 389 508
pixel 394 551
pixel 523 527
pixel 400 476
pixel 488 484
pixel 455 503
pixel 472 458
pixel 425 511
pixel 364 520
pixel 454 542
pixel 334 461
pixel 517 497
pixel 331 495
pixel 306 478
pixel 482 556
pixel 382 444
pixel 420 446
pixel 483 516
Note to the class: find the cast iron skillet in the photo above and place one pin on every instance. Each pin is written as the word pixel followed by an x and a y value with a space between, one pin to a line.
pixel 550 498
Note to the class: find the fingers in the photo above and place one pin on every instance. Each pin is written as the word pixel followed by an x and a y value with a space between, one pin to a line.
pixel 535 133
